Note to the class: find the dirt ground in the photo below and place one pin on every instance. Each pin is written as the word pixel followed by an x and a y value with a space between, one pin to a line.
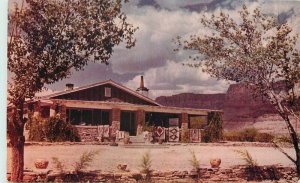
pixel 164 158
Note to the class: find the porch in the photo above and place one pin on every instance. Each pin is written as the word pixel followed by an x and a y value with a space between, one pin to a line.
pixel 91 116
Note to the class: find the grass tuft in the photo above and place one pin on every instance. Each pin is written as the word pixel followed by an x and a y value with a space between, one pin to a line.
pixel 84 160
pixel 146 164
pixel 246 156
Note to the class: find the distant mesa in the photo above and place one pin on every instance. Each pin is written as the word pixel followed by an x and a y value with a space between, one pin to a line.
pixel 239 106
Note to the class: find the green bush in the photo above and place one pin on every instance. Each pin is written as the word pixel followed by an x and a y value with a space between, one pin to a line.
pixel 264 137
pixel 36 128
pixel 214 130
pixel 232 136
pixel 284 139
pixel 53 129
pixel 248 135
pixel 146 164
pixel 57 130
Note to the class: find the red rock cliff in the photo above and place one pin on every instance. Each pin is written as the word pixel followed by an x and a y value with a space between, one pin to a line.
pixel 239 106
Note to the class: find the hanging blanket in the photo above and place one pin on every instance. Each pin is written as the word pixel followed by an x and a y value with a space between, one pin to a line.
pixel 195 135
pixel 160 133
pixel 106 131
pixel 173 134
pixel 120 134
pixel 100 130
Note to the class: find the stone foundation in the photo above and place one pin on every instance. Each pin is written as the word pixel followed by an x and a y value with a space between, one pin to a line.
pixel 92 134
pixel 236 174
pixel 88 133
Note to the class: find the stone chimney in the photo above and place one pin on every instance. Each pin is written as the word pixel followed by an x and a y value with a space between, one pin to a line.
pixel 142 82
pixel 69 86
pixel 142 89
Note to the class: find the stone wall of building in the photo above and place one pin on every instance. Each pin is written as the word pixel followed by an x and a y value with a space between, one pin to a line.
pixel 88 133
pixel 93 134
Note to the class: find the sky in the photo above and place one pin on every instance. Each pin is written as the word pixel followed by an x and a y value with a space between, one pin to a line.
pixel 159 22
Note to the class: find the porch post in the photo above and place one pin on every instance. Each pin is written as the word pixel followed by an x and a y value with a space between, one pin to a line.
pixel 184 124
pixel 116 118
pixel 140 121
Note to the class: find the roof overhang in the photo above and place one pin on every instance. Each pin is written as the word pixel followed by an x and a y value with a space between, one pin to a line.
pixel 131 107
pixel 117 85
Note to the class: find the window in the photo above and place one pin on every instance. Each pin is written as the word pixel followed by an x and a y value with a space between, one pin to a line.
pixel 107 92
pixel 198 122
pixel 87 116
pixel 75 116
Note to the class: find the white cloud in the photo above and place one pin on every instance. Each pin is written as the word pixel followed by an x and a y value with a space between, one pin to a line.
pixel 175 4
pixel 153 55
pixel 154 45
pixel 174 78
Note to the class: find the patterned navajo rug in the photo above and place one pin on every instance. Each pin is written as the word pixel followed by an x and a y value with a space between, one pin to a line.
pixel 173 134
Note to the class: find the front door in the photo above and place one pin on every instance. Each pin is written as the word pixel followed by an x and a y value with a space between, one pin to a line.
pixel 128 122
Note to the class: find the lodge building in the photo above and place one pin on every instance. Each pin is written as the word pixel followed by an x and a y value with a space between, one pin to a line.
pixel 115 106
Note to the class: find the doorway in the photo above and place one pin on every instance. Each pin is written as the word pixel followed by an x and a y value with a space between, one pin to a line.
pixel 128 122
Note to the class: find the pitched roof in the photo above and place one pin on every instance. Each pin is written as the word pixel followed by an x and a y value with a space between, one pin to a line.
pixel 103 83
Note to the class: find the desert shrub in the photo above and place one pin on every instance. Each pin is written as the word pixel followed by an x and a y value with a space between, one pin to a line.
pixel 85 159
pixel 232 136
pixel 36 128
pixel 264 137
pixel 253 172
pixel 283 139
pixel 84 162
pixel 246 156
pixel 214 129
pixel 194 161
pixel 57 130
pixel 58 165
pixel 249 134
pixel 53 129
pixel 146 164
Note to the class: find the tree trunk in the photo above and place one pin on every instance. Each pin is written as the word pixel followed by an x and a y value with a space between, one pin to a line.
pixel 17 161
pixel 17 140
pixel 295 142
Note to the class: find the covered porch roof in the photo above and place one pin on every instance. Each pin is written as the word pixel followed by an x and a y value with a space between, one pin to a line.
pixel 131 107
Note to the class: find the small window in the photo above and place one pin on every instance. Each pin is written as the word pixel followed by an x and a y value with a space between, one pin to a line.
pixel 107 92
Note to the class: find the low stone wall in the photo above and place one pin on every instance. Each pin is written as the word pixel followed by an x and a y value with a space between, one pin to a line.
pixel 93 134
pixel 100 133
pixel 235 174
pixel 88 133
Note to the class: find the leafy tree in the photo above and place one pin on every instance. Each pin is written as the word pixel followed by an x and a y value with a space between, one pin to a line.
pixel 255 50
pixel 213 132
pixel 47 39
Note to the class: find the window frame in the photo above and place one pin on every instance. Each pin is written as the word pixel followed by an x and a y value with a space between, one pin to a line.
pixel 107 91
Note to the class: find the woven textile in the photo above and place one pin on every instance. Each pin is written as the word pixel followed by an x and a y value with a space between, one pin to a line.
pixel 195 135
pixel 120 134
pixel 100 130
pixel 106 131
pixel 173 134
pixel 160 133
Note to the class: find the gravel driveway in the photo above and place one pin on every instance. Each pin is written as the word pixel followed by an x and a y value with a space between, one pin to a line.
pixel 166 158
